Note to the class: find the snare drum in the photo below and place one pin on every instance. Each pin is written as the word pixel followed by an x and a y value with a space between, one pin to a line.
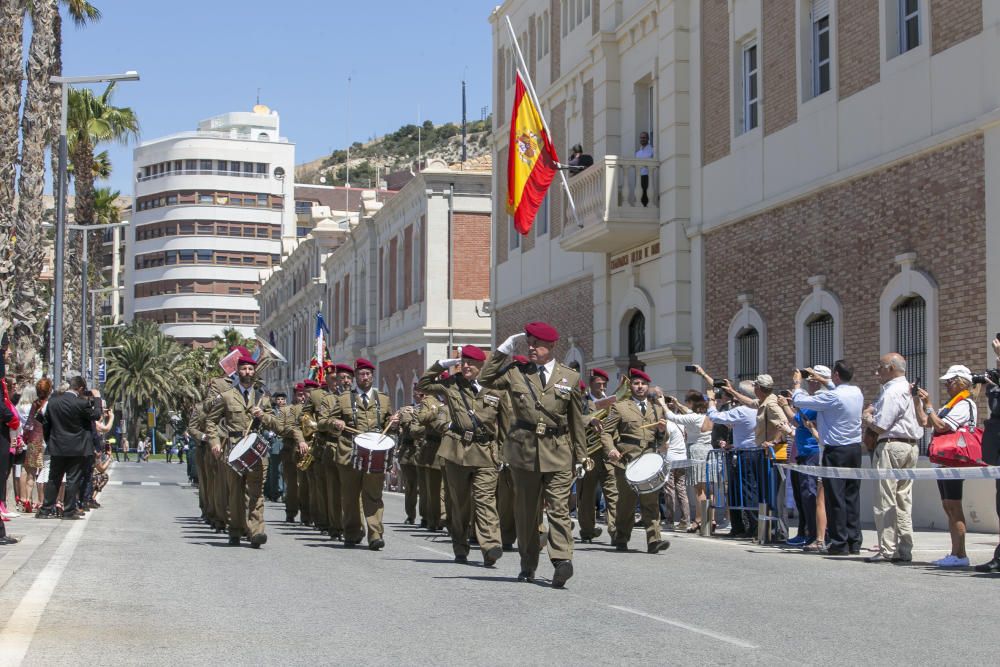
pixel 247 453
pixel 648 473
pixel 371 452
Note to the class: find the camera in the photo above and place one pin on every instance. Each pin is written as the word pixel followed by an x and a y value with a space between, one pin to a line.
pixel 691 368
pixel 719 394
pixel 992 374
pixel 915 388
pixel 719 384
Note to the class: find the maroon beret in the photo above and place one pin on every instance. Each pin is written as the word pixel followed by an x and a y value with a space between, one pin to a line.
pixel 246 359
pixel 444 375
pixel 635 373
pixel 520 359
pixel 361 364
pixel 299 387
pixel 583 387
pixel 474 353
pixel 310 384
pixel 598 373
pixel 242 350
pixel 542 331
pixel 345 368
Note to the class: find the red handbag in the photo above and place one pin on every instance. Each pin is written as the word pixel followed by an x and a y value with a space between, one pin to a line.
pixel 960 449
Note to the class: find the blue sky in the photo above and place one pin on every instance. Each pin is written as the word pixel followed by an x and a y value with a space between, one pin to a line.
pixel 198 59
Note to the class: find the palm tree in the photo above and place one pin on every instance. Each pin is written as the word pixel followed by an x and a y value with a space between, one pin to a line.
pixel 11 38
pixel 148 369
pixel 29 305
pixel 102 167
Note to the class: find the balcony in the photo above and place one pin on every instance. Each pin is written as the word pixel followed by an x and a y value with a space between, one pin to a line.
pixel 608 199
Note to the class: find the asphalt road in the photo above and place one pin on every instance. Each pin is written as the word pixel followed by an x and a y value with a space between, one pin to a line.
pixel 141 581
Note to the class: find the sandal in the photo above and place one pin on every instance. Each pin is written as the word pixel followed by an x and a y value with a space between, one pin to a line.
pixel 694 527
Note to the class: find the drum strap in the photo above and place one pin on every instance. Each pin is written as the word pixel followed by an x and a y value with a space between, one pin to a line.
pixel 476 424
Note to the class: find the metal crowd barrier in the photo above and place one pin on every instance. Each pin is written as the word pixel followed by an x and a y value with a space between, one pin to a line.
pixel 748 480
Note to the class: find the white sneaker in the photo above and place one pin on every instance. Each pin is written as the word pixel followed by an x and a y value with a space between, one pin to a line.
pixel 951 561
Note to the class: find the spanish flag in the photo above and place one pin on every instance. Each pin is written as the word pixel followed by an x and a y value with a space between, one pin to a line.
pixel 531 160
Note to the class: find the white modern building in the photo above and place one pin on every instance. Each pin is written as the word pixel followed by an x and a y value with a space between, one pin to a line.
pixel 211 209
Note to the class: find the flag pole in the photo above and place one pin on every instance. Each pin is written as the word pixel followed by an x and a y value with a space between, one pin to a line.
pixel 534 98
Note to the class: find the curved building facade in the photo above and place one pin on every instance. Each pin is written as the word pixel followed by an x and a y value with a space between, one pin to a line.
pixel 211 209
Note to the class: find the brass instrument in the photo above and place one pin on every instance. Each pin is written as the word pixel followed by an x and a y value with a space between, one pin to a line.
pixel 308 426
pixel 623 393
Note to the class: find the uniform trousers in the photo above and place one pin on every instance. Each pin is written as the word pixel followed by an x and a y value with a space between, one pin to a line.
pixel 289 457
pixel 246 500
pixel 505 506
pixel 530 489
pixel 437 513
pixel 894 499
pixel 221 486
pixel 334 511
pixel 199 459
pixel 603 474
pixel 411 492
pixel 473 493
pixel 366 486
pixel 649 507
pixel 318 485
pixel 305 492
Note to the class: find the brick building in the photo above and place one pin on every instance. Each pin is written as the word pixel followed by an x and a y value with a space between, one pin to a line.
pixel 821 187
pixel 399 283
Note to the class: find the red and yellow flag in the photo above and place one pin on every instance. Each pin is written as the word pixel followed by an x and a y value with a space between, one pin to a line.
pixel 531 160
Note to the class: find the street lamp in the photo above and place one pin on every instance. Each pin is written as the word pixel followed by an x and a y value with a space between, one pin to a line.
pixel 57 298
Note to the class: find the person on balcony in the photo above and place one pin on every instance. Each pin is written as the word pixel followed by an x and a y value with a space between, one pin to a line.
pixel 578 160
pixel 644 152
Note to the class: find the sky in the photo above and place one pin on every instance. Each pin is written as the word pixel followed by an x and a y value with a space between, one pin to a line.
pixel 406 60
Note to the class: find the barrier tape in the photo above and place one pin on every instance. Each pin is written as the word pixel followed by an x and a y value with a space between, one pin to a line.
pixel 988 472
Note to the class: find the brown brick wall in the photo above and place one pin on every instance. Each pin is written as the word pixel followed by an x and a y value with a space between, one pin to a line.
pixel 402 366
pixel 588 117
pixel 780 99
pixel 954 21
pixel 557 122
pixel 555 39
pixel 858 59
pixel 850 233
pixel 715 106
pixel 569 308
pixel 500 224
pixel 472 255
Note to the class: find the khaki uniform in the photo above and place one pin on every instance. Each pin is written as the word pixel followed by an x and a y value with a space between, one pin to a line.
pixel 603 474
pixel 289 418
pixel 505 482
pixel 410 433
pixel 327 476
pixel 469 450
pixel 626 420
pixel 541 462
pixel 354 484
pixel 216 467
pixel 196 427
pixel 228 419
pixel 433 415
pixel 304 477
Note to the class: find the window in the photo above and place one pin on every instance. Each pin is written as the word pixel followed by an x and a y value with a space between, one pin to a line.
pixel 417 258
pixel 206 165
pixel 821 46
pixel 819 339
pixel 515 238
pixel 565 16
pixel 190 165
pixel 542 218
pixel 911 336
pixel 909 25
pixel 400 278
pixel 747 354
pixel 636 334
pixel 750 91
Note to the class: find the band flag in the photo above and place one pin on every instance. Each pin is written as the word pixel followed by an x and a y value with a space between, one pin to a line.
pixel 316 363
pixel 531 160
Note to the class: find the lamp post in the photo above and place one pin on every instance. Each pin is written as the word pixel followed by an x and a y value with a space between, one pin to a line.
pixel 57 296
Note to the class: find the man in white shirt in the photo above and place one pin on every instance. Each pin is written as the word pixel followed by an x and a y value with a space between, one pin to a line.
pixel 894 419
pixel 744 479
pixel 644 152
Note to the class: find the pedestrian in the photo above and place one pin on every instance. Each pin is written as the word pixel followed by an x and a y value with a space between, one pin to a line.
pixel 742 489
pixel 959 412
pixel 125 446
pixel 68 420
pixel 991 440
pixel 644 152
pixel 892 420
pixel 578 161
pixel 171 451
pixel 675 490
pixel 7 416
pixel 698 432
pixel 806 453
pixel 140 450
pixel 31 431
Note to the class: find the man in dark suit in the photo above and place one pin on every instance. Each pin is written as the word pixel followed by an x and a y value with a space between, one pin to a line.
pixel 68 420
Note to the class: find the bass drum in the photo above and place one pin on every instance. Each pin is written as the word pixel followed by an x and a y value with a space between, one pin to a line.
pixel 247 453
pixel 372 452
pixel 648 473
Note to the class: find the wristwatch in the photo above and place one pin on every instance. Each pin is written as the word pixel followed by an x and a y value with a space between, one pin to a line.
pixel 928 410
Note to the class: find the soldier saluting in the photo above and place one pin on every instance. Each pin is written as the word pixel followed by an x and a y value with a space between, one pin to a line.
pixel 546 438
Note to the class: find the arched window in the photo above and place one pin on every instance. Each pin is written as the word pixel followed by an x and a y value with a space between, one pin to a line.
pixel 636 334
pixel 819 340
pixel 910 317
pixel 747 354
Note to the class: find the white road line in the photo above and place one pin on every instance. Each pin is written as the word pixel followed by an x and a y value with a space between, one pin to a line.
pixel 690 628
pixel 442 553
pixel 20 629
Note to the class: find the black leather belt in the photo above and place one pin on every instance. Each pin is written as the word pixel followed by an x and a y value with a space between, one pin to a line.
pixel 631 439
pixel 480 439
pixel 910 441
pixel 236 434
pixel 555 431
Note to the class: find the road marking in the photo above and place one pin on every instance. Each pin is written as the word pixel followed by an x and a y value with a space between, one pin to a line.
pixel 689 628
pixel 20 629
pixel 182 485
pixel 437 551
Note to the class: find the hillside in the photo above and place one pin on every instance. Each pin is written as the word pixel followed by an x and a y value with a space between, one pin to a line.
pixel 396 151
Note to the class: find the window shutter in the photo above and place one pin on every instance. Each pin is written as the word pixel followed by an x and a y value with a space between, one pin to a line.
pixel 820 8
